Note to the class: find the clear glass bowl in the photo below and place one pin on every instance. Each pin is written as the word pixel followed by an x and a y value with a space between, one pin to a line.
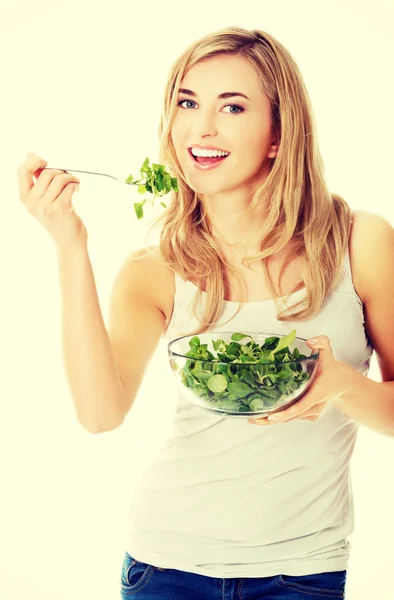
pixel 247 388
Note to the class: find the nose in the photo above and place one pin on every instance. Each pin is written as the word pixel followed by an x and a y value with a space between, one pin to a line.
pixel 203 124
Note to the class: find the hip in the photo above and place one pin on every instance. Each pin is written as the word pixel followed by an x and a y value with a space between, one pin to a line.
pixel 149 582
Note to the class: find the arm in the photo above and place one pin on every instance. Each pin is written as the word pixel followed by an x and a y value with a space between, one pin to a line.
pixel 368 402
pixel 88 359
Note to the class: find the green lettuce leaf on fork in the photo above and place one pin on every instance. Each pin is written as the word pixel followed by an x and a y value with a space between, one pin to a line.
pixel 155 180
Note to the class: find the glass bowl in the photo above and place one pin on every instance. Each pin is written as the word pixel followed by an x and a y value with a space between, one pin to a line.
pixel 252 374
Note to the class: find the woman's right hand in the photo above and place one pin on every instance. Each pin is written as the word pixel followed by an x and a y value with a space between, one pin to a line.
pixel 49 200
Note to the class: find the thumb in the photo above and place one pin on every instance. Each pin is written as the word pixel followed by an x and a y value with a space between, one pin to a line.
pixel 322 344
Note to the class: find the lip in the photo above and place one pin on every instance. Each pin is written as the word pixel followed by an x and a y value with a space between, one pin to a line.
pixel 206 167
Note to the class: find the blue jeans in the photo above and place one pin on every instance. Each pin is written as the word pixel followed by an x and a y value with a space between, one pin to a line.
pixel 148 582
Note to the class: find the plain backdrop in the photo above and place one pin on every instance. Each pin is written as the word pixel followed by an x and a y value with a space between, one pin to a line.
pixel 82 87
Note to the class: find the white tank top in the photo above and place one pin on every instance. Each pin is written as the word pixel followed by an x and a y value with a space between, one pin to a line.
pixel 228 499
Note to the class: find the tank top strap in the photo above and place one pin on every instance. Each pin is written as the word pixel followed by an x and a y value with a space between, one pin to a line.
pixel 347 281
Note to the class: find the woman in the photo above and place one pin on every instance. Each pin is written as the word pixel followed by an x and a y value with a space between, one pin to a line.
pixel 229 509
pixel 212 517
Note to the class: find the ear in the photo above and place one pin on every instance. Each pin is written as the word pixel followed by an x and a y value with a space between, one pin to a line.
pixel 273 152
pixel 274 147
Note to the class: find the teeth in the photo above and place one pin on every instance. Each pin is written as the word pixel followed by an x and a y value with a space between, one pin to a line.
pixel 209 153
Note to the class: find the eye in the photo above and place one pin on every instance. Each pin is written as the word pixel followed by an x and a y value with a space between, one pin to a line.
pixel 182 101
pixel 239 108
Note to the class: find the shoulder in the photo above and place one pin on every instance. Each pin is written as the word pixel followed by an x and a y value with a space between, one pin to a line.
pixel 367 220
pixel 374 243
pixel 161 277
pixel 371 242
pixel 150 257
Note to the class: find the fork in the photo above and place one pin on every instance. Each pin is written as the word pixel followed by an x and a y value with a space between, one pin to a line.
pixel 89 172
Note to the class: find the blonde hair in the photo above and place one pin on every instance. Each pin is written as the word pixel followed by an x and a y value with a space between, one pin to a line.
pixel 298 207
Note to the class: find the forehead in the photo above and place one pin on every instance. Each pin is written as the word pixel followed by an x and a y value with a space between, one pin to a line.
pixel 218 74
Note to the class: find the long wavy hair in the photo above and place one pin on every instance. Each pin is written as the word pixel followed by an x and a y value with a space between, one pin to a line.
pixel 298 212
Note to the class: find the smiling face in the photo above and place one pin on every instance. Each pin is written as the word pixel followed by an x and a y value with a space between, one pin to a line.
pixel 238 125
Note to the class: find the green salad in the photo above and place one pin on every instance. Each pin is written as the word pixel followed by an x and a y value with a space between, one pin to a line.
pixel 155 180
pixel 259 384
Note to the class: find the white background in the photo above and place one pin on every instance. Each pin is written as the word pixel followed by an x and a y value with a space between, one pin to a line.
pixel 82 87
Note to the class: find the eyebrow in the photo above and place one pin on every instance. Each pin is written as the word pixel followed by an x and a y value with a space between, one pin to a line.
pixel 224 95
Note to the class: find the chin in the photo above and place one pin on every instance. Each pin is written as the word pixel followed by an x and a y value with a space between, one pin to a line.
pixel 208 190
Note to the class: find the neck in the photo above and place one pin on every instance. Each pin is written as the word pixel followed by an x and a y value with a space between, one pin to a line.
pixel 230 216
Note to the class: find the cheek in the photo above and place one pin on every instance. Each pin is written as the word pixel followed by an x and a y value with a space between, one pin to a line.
pixel 257 154
pixel 179 146
pixel 258 147
pixel 250 159
pixel 176 132
pixel 249 144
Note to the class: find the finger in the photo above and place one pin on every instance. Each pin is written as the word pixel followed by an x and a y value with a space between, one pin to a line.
pixel 25 174
pixel 52 184
pixel 279 416
pixel 265 423
pixel 34 186
pixel 305 405
pixel 311 414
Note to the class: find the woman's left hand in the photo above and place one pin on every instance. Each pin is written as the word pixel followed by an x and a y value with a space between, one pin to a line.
pixel 329 385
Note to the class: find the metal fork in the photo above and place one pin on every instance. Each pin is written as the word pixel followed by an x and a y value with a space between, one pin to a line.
pixel 89 172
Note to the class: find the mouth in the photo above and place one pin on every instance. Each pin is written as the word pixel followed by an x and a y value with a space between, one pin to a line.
pixel 203 160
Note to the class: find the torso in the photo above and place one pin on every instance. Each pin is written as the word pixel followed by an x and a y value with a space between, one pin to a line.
pixel 257 289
